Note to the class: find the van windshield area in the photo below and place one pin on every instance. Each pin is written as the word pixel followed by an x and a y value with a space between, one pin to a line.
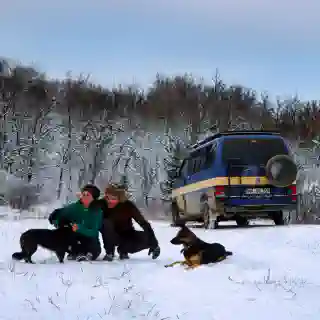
pixel 255 152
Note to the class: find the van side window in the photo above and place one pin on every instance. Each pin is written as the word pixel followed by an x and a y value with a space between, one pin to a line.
pixel 206 157
pixel 184 169
pixel 196 164
pixel 210 156
pixel 189 166
pixel 202 159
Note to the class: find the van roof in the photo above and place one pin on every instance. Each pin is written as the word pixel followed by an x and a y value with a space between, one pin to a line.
pixel 241 133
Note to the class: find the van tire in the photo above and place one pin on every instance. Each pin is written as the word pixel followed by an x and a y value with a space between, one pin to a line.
pixel 277 218
pixel 175 215
pixel 241 221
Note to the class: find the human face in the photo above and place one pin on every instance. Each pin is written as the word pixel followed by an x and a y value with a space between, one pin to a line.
pixel 86 198
pixel 111 199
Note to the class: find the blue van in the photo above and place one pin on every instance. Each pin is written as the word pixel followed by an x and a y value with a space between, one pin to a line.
pixel 236 175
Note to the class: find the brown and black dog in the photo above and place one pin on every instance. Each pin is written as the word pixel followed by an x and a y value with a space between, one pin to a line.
pixel 197 252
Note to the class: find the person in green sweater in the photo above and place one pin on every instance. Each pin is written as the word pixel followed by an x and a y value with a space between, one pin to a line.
pixel 85 220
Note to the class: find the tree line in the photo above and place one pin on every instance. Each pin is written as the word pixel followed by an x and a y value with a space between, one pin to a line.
pixel 84 117
pixel 176 100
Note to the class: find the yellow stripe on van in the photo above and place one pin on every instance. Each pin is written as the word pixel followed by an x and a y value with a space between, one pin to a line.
pixel 220 181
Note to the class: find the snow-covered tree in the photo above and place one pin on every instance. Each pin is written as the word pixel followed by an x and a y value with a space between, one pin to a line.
pixel 172 162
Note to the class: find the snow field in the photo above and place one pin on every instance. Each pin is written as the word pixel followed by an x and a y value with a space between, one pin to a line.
pixel 273 273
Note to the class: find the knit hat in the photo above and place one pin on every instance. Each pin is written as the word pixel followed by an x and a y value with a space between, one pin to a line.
pixel 118 191
pixel 93 190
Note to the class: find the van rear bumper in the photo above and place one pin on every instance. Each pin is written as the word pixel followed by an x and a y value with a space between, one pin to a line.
pixel 259 208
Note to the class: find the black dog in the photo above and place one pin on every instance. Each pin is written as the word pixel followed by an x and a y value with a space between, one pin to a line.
pixel 197 252
pixel 57 240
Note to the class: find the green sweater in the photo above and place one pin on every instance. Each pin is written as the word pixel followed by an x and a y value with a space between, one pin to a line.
pixel 89 220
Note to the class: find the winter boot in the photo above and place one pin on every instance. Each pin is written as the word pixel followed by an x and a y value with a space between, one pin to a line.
pixel 84 257
pixel 122 255
pixel 108 257
pixel 71 257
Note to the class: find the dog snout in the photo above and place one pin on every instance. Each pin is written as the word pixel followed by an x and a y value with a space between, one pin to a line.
pixel 175 241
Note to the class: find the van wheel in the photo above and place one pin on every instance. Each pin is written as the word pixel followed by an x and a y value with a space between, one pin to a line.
pixel 207 223
pixel 277 218
pixel 241 221
pixel 175 215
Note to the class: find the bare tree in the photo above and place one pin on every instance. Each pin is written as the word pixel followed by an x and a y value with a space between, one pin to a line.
pixel 92 117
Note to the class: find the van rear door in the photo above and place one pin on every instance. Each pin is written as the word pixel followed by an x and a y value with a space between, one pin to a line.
pixel 246 158
pixel 251 153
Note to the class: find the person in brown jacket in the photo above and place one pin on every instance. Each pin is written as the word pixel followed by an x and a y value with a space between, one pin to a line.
pixel 118 230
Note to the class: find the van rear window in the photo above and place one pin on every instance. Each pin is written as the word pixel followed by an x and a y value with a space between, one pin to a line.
pixel 252 151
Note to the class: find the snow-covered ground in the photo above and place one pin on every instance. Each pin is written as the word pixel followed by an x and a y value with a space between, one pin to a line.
pixel 274 273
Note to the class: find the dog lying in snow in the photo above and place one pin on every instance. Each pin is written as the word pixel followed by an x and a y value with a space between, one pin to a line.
pixel 197 252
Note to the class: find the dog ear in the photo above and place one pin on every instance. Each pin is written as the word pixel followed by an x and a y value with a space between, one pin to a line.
pixel 186 232
pixel 184 228
pixel 181 223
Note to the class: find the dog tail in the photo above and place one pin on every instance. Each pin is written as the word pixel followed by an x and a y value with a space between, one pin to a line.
pixel 229 253
pixel 18 255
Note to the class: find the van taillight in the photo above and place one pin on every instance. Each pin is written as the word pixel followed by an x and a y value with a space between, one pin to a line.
pixel 220 192
pixel 292 192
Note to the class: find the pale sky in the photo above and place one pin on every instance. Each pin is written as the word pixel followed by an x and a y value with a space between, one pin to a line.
pixel 266 45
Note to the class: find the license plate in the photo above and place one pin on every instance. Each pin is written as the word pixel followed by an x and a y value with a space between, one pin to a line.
pixel 258 191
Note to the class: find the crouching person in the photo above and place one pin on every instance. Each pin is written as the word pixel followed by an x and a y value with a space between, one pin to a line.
pixel 118 229
pixel 85 219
